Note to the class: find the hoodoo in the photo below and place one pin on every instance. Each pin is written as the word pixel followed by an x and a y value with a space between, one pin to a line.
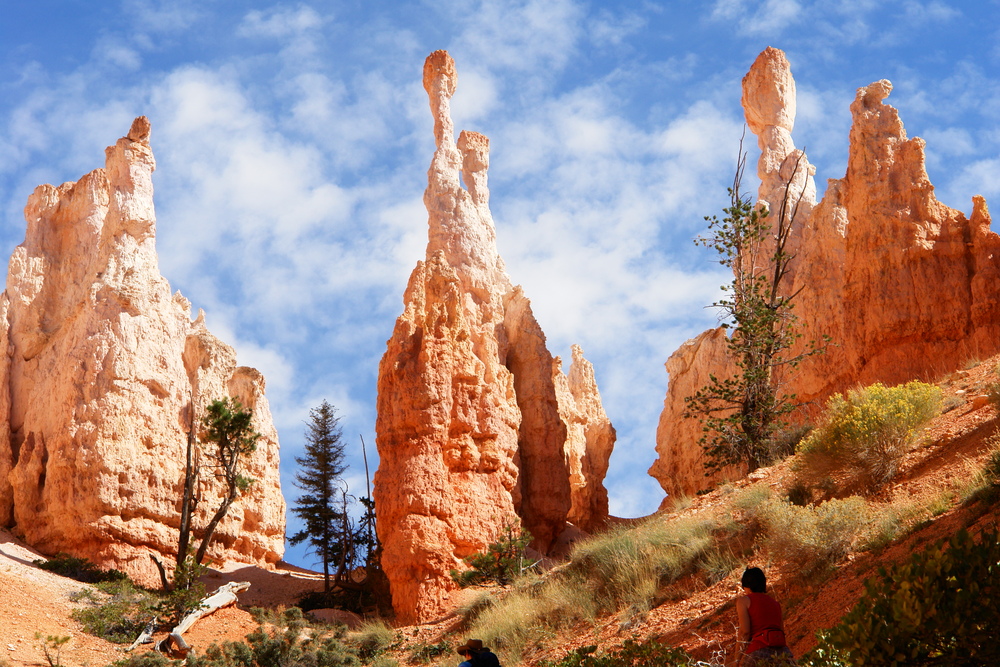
pixel 905 286
pixel 104 376
pixel 478 428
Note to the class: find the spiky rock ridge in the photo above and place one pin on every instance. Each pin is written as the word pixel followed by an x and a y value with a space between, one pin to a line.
pixel 478 428
pixel 905 286
pixel 102 366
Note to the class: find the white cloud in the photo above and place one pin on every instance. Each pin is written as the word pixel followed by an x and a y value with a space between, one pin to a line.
pixel 117 53
pixel 475 97
pixel 765 17
pixel 163 15
pixel 728 9
pixel 918 13
pixel 613 29
pixel 773 16
pixel 279 22
pixel 981 177
pixel 518 35
pixel 949 141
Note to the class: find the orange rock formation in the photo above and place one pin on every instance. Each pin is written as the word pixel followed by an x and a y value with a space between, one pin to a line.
pixel 477 427
pixel 905 286
pixel 101 367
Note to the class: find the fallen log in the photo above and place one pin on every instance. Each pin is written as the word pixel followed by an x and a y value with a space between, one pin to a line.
pixel 174 643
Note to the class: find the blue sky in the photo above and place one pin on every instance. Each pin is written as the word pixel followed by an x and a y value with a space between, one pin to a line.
pixel 293 139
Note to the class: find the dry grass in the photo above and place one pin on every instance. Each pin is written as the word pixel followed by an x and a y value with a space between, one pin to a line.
pixel 626 568
pixel 371 639
pixel 814 537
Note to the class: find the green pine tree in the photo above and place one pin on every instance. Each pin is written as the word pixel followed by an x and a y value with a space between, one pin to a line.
pixel 322 506
pixel 230 438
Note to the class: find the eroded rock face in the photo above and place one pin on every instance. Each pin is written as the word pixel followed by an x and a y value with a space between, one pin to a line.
pixel 905 286
pixel 589 442
pixel 101 367
pixel 473 430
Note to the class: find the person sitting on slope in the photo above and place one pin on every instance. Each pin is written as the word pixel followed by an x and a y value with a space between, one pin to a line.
pixel 761 630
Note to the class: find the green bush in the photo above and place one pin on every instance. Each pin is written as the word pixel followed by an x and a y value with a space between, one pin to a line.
pixel 718 563
pixel 799 494
pixel 187 594
pixel 147 659
pixel 276 648
pixel 991 471
pixel 982 485
pixel 993 394
pixel 939 608
pixel 288 642
pixel 424 653
pixel 629 654
pixel 751 500
pixel 868 431
pixel 783 443
pixel 892 521
pixel 629 566
pixel 501 563
pixel 122 616
pixel 79 569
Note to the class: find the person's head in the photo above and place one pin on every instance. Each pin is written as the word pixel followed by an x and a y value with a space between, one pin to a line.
pixel 470 647
pixel 754 579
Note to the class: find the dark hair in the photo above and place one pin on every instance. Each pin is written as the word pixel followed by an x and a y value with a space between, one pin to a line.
pixel 754 579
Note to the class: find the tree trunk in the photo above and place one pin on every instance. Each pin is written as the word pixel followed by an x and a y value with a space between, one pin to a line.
pixel 219 514
pixel 190 476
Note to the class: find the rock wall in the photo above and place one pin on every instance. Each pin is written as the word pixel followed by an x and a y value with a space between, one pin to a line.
pixel 101 366
pixel 905 286
pixel 477 427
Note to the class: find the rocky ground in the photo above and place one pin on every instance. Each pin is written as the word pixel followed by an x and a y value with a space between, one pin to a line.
pixel 34 601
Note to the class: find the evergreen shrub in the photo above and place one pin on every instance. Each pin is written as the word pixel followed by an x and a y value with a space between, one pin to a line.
pixel 79 569
pixel 938 608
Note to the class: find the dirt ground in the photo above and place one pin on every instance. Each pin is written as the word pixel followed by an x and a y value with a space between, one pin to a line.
pixel 35 601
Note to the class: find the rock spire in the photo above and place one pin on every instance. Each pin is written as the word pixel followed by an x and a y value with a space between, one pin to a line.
pixel 905 286
pixel 101 367
pixel 478 429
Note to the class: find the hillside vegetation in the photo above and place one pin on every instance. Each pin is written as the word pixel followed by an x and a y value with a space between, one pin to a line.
pixel 888 472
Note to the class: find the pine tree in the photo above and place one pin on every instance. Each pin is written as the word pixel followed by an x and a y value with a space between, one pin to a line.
pixel 740 414
pixel 323 505
pixel 229 428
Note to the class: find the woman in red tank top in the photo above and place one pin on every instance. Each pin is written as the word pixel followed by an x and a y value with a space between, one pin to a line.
pixel 761 632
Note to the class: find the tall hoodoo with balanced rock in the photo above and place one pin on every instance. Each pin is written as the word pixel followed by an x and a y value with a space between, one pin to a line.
pixel 100 368
pixel 478 428
pixel 905 286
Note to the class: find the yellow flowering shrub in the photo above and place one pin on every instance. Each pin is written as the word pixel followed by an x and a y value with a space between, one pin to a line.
pixel 869 430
